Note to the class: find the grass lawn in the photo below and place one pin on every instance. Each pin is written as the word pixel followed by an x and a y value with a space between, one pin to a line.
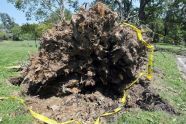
pixel 12 53
pixel 172 87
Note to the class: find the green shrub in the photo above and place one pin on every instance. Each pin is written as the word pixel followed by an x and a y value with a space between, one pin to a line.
pixel 3 36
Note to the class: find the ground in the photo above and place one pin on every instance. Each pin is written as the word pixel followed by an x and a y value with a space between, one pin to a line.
pixel 168 83
pixel 12 53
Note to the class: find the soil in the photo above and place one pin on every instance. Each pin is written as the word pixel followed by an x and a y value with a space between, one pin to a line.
pixel 15 80
pixel 145 97
pixel 87 106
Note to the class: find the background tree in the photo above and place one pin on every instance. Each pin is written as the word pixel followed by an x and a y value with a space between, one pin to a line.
pixel 16 32
pixel 53 18
pixel 41 9
pixel 6 21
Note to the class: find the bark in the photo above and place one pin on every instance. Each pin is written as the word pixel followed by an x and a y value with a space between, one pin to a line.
pixel 141 13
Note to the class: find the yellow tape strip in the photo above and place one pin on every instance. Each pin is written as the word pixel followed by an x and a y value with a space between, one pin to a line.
pixel 148 45
pixel 135 81
pixel 42 118
pixel 150 64
pixel 97 121
pixel 111 113
pixel 124 98
pixel 123 101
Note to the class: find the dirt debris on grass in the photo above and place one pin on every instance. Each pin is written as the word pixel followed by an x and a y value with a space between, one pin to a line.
pixel 15 80
pixel 145 97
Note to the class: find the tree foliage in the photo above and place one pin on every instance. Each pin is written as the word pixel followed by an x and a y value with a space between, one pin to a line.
pixel 16 32
pixel 165 17
pixel 6 21
pixel 41 9
pixel 168 18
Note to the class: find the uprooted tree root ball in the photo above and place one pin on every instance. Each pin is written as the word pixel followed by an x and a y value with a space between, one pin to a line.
pixel 91 59
pixel 93 50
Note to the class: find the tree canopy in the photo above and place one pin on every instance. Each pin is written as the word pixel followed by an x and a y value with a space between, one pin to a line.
pixel 165 17
pixel 6 22
pixel 41 9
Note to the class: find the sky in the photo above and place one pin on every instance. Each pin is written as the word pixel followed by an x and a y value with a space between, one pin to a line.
pixel 18 16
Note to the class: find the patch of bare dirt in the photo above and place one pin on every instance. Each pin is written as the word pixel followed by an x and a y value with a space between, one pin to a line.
pixel 146 97
pixel 83 107
pixel 15 80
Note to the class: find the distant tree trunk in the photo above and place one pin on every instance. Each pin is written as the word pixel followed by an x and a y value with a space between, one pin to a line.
pixel 62 9
pixel 141 13
pixel 165 29
pixel 35 37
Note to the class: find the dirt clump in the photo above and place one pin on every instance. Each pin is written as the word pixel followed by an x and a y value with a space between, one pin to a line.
pixel 145 97
pixel 15 80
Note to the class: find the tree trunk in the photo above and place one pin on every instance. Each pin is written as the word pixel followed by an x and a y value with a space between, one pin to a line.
pixel 141 13
pixel 62 10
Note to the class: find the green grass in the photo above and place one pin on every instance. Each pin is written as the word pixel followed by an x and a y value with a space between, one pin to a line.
pixel 171 88
pixel 174 49
pixel 11 54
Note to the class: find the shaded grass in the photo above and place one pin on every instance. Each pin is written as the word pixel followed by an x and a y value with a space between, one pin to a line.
pixel 171 87
pixel 11 54
pixel 174 49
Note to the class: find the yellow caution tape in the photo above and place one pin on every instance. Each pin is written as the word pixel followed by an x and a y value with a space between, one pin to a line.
pixel 150 63
pixel 97 121
pixel 148 45
pixel 42 118
pixel 135 81
pixel 124 98
pixel 123 101
pixel 111 113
